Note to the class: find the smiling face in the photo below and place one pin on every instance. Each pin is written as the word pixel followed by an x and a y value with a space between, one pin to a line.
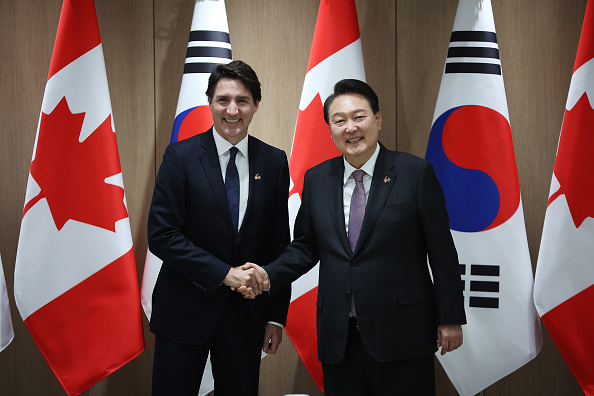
pixel 354 127
pixel 233 108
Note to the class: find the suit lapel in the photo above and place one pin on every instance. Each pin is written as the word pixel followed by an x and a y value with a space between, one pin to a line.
pixel 212 168
pixel 384 178
pixel 256 172
pixel 334 187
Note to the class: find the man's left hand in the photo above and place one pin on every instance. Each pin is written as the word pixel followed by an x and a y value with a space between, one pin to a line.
pixel 449 337
pixel 272 338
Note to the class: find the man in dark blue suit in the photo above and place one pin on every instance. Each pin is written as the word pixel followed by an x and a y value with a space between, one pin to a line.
pixel 220 200
pixel 374 219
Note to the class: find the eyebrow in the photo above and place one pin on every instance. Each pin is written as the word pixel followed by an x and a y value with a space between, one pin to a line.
pixel 246 97
pixel 342 113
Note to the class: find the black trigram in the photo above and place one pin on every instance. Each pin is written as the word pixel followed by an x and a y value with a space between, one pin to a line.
pixel 473 52
pixel 483 284
pixel 219 47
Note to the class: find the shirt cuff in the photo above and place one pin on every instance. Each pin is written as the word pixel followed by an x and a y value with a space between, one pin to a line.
pixel 276 324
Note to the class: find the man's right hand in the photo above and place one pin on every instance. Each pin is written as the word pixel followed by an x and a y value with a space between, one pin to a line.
pixel 249 292
pixel 249 279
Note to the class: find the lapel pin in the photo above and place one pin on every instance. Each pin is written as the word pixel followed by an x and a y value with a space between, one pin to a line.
pixel 257 177
pixel 387 179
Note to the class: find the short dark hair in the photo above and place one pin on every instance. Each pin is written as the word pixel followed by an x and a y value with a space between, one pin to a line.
pixel 352 86
pixel 236 70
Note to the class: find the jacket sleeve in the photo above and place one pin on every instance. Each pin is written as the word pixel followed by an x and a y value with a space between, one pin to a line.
pixel 279 237
pixel 302 254
pixel 443 258
pixel 167 221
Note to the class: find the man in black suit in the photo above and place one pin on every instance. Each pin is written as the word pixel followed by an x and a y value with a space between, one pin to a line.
pixel 220 200
pixel 372 218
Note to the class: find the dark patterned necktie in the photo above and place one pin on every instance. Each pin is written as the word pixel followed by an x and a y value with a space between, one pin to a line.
pixel 232 185
pixel 356 215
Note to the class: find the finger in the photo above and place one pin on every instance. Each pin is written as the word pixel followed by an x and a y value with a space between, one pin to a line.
pixel 444 348
pixel 246 278
pixel 273 346
pixel 258 279
pixel 266 346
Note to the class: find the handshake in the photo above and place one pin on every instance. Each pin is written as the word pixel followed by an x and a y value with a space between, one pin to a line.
pixel 249 279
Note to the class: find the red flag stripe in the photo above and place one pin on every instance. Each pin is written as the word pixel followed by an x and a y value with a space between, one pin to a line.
pixel 337 26
pixel 586 47
pixel 78 33
pixel 301 325
pixel 576 347
pixel 79 331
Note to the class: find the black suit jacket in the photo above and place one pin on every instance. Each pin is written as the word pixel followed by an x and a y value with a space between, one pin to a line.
pixel 398 305
pixel 190 229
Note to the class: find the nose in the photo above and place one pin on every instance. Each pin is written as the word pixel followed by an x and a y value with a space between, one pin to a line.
pixel 232 109
pixel 350 126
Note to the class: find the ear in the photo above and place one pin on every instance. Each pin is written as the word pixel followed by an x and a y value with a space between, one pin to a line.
pixel 378 120
pixel 257 104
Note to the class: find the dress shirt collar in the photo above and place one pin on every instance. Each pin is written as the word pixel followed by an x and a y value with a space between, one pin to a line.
pixel 367 167
pixel 223 145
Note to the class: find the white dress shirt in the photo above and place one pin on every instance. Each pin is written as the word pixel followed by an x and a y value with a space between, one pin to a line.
pixel 349 183
pixel 243 168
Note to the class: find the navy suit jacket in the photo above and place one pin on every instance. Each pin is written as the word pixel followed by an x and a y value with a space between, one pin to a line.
pixel 190 229
pixel 398 305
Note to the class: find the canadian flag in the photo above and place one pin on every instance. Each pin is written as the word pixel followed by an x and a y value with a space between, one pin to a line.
pixel 208 46
pixel 75 275
pixel 564 282
pixel 335 54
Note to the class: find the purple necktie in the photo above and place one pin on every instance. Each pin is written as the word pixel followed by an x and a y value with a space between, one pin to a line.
pixel 356 214
pixel 357 211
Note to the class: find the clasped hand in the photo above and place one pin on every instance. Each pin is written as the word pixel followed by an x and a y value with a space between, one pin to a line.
pixel 249 279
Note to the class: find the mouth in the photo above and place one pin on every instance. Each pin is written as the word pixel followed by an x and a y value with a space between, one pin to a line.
pixel 354 140
pixel 231 121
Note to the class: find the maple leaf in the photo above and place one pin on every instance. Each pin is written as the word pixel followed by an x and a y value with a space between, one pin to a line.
pixel 574 165
pixel 312 142
pixel 71 174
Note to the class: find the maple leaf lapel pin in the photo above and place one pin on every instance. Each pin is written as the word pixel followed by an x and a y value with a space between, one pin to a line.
pixel 257 177
pixel 387 179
